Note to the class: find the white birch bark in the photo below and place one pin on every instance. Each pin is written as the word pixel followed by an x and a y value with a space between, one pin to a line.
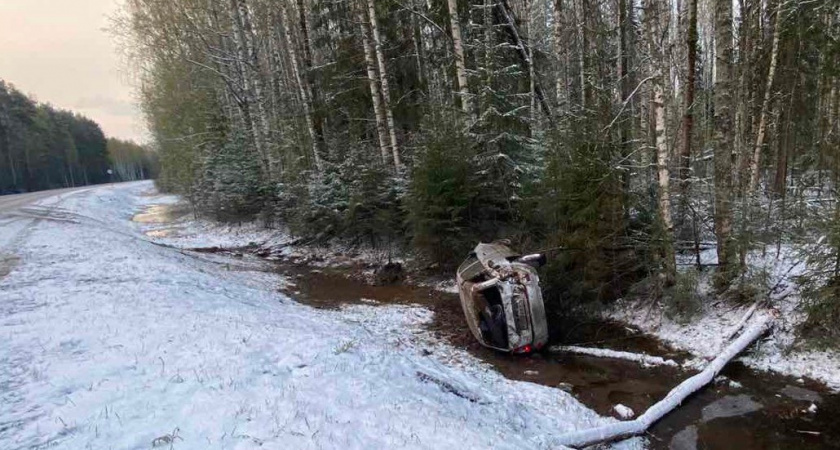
pixel 558 49
pixel 755 163
pixel 374 87
pixel 253 64
pixel 303 87
pixel 248 102
pixel 579 18
pixel 656 44
pixel 532 91
pixel 460 63
pixel 383 82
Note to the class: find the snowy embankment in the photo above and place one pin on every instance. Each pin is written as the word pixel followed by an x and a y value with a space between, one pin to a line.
pixel 110 340
pixel 706 334
pixel 277 243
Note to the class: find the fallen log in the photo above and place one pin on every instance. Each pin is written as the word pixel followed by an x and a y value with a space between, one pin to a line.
pixel 743 322
pixel 645 360
pixel 671 401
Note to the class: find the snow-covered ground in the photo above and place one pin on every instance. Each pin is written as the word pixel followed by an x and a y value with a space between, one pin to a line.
pixel 706 334
pixel 110 340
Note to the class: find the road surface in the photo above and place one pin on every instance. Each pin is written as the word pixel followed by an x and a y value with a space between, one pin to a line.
pixel 9 203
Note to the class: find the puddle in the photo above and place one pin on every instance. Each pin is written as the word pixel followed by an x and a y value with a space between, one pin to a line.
pixel 685 439
pixel 759 411
pixel 730 406
pixel 801 394
pixel 155 214
pixel 161 217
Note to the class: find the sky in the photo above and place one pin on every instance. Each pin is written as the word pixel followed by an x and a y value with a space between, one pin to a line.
pixel 59 52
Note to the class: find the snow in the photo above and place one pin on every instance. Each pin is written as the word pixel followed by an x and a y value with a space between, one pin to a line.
pixel 707 333
pixel 625 412
pixel 644 360
pixel 112 340
pixel 673 399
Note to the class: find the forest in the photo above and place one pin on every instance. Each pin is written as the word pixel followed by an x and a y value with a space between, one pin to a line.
pixel 131 161
pixel 629 138
pixel 42 147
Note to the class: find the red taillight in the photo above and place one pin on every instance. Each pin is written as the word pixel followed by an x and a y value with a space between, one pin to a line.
pixel 523 349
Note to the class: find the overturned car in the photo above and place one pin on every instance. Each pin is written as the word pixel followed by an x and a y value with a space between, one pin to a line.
pixel 501 296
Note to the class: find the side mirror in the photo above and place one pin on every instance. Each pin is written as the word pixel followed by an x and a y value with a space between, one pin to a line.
pixel 535 259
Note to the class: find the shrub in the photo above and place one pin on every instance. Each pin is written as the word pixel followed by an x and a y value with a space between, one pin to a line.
pixel 682 301
pixel 441 195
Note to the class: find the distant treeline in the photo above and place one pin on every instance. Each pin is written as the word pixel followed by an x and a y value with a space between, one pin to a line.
pixel 42 147
pixel 131 161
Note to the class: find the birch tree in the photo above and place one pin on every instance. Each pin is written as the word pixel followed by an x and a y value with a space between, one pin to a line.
pixel 373 83
pixel 383 83
pixel 303 87
pixel 247 63
pixel 656 57
pixel 460 60
pixel 560 80
pixel 755 162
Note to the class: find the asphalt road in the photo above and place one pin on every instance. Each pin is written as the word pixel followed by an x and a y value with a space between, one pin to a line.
pixel 9 203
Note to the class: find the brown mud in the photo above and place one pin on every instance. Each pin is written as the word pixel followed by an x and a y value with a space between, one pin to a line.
pixel 755 411
pixel 747 409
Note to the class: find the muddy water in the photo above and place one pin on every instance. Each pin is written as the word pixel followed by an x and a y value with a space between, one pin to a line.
pixel 756 411
pixel 160 218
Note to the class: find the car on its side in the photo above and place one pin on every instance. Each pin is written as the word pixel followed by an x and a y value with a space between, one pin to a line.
pixel 502 300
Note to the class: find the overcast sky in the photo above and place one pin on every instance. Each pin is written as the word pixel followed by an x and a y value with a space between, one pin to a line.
pixel 58 51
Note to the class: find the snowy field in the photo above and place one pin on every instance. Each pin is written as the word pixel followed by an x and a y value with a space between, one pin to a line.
pixel 109 340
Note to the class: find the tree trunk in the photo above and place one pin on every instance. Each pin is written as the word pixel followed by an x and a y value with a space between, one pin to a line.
pixel 688 99
pixel 656 58
pixel 560 87
pixel 523 51
pixel 383 82
pixel 581 32
pixel 308 65
pixel 250 101
pixel 624 117
pixel 722 138
pixel 780 179
pixel 755 163
pixel 663 178
pixel 375 95
pixel 253 63
pixel 532 77
pixel 303 87
pixel 742 94
pixel 460 64
pixel 416 38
